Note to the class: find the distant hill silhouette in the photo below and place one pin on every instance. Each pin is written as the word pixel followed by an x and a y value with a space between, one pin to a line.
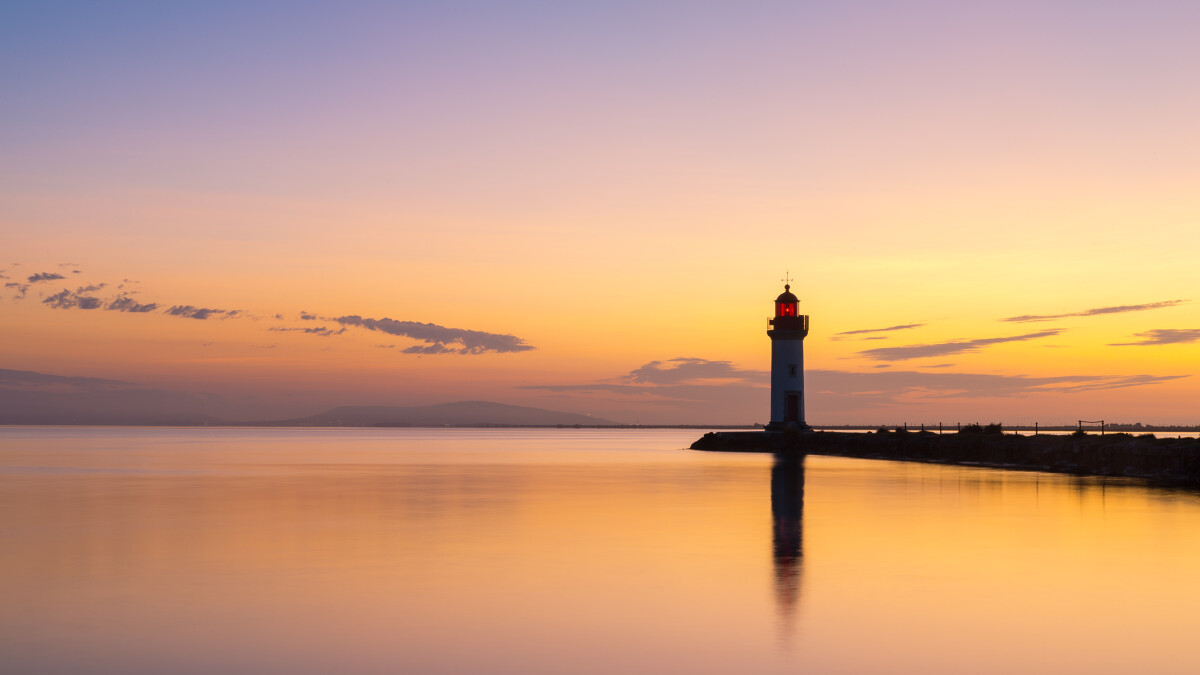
pixel 462 413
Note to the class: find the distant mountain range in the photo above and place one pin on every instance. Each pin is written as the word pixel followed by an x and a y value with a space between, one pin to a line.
pixel 462 413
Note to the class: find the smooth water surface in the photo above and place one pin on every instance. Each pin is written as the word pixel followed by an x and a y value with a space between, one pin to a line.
pixel 581 551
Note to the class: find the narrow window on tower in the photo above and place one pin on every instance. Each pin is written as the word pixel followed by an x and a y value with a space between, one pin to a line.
pixel 791 370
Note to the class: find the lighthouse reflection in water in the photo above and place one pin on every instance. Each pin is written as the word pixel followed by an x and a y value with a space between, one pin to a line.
pixel 787 516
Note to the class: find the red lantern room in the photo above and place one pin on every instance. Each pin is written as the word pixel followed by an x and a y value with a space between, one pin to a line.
pixel 785 304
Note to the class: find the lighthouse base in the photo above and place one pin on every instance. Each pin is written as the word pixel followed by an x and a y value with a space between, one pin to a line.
pixel 781 427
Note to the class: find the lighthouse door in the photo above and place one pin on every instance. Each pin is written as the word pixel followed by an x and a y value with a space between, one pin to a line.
pixel 793 408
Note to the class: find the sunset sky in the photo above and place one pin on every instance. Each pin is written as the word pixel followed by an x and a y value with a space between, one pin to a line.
pixel 990 210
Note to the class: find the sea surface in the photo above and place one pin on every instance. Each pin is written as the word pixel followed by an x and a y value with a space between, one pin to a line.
pixel 129 550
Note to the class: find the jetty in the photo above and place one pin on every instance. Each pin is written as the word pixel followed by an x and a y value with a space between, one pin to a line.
pixel 1167 460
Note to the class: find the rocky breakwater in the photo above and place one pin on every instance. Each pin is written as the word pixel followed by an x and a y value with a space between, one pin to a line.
pixel 1173 460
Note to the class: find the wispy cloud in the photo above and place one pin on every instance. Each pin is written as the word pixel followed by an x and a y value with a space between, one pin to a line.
pixel 124 303
pixel 439 339
pixel 190 312
pixel 863 331
pixel 44 276
pixel 67 299
pixel 952 347
pixel 689 370
pixel 316 330
pixel 1116 309
pixel 1163 336
pixel 77 299
pixel 21 289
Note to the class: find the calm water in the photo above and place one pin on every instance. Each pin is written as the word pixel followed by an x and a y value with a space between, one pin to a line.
pixel 573 551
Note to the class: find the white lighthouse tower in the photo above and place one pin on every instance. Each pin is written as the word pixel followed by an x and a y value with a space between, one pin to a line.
pixel 787 363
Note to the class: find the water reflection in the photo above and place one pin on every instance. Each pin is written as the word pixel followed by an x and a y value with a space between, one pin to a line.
pixel 581 551
pixel 787 516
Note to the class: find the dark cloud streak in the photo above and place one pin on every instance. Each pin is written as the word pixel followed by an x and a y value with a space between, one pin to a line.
pixel 190 312
pixel 438 337
pixel 316 330
pixel 907 326
pixel 943 348
pixel 1116 309
pixel 44 276
pixel 1163 336
pixel 124 303
pixel 686 369
pixel 67 299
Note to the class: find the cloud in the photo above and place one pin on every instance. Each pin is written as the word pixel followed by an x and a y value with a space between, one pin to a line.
pixel 861 331
pixel 1116 309
pixel 28 379
pixel 21 289
pixel 44 276
pixel 73 299
pixel 67 299
pixel 889 386
pixel 681 392
pixel 830 392
pixel 895 383
pixel 1163 336
pixel 438 337
pixel 305 316
pixel 316 330
pixel 684 370
pixel 124 303
pixel 427 349
pixel 682 384
pixel 952 347
pixel 190 312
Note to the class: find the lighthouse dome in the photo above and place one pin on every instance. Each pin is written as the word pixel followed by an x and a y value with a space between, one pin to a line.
pixel 787 296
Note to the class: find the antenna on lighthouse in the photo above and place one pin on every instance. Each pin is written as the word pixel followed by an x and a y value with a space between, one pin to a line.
pixel 787 280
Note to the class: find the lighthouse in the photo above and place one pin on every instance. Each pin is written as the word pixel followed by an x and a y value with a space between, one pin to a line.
pixel 787 363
